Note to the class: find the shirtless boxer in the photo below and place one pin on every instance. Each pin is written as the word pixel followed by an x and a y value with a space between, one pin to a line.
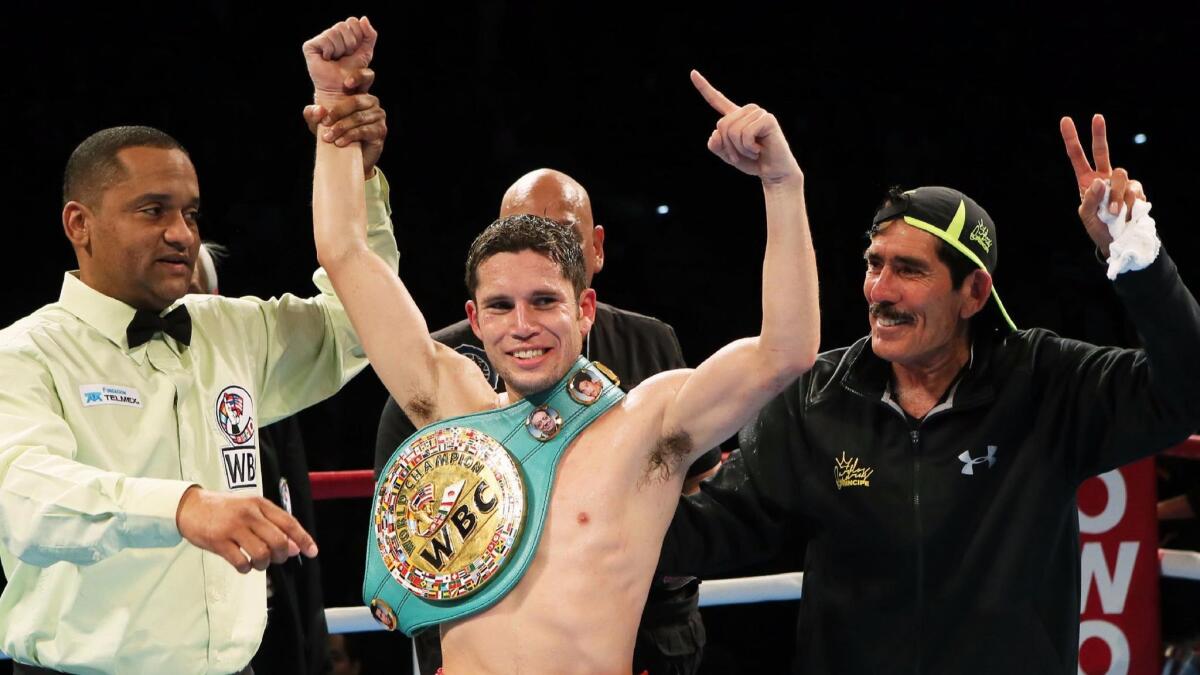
pixel 577 605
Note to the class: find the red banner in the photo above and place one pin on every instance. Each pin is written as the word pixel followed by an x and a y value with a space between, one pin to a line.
pixel 1119 619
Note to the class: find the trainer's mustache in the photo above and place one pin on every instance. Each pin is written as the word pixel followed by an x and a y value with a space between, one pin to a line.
pixel 888 311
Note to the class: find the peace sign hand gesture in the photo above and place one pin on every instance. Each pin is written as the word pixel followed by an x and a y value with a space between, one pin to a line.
pixel 1091 181
pixel 748 137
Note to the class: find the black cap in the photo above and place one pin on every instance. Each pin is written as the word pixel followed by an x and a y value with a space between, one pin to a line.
pixel 957 220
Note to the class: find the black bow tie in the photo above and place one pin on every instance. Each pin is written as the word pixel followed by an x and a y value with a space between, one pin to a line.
pixel 177 323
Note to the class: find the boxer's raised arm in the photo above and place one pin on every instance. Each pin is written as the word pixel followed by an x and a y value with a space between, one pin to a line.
pixel 710 403
pixel 429 380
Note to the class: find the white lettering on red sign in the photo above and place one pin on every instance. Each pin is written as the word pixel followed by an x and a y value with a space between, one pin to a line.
pixel 1114 508
pixel 1112 636
pixel 1113 588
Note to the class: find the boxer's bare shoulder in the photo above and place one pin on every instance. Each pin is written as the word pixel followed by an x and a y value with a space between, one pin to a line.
pixel 630 439
pixel 457 387
pixel 673 448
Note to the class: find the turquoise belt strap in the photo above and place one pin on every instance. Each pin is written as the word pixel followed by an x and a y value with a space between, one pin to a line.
pixel 397 607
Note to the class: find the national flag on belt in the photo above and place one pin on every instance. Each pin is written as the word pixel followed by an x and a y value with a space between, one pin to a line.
pixel 450 496
pixel 423 496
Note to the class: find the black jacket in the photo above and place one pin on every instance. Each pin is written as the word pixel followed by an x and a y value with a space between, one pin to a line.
pixel 948 545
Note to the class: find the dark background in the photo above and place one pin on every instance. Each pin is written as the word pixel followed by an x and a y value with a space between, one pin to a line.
pixel 478 94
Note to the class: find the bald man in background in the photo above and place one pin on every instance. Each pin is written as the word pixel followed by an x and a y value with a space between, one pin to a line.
pixel 671 636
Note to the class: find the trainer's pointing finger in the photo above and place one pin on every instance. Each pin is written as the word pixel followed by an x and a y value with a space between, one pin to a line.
pixel 715 98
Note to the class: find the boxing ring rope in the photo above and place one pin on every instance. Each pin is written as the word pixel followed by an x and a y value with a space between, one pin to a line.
pixel 747 590
pixel 1179 564
pixel 769 588
pixel 1189 449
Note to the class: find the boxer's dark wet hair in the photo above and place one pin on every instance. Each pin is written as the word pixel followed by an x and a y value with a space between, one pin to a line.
pixel 560 243
pixel 94 164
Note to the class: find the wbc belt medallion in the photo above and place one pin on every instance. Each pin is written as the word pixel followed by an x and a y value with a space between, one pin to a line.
pixel 449 513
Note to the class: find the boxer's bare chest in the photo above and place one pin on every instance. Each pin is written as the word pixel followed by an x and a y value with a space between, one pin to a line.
pixel 604 487
pixel 602 535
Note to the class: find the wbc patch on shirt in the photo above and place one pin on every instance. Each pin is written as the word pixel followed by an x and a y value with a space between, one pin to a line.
pixel 235 415
pixel 109 394
pixel 235 418
pixel 241 470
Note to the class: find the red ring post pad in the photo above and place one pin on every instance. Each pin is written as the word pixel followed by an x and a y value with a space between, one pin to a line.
pixel 342 484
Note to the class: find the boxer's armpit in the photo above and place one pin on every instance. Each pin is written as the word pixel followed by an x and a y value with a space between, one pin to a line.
pixel 420 408
pixel 668 453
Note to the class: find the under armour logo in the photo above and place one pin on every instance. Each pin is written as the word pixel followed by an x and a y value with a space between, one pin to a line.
pixel 970 462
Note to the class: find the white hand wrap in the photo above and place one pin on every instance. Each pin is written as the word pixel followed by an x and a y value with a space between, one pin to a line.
pixel 1135 243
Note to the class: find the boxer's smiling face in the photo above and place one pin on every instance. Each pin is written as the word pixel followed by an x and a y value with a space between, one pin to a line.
pixel 527 317
pixel 143 235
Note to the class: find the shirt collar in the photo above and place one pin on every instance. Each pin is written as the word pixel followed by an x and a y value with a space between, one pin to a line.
pixel 107 315
pixel 868 375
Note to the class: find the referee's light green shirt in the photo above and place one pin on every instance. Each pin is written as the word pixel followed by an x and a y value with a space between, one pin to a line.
pixel 99 441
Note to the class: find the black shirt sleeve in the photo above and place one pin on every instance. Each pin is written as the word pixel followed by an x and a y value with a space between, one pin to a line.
pixel 1125 404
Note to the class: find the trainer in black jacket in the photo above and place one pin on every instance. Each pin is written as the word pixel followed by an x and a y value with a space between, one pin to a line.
pixel 947 541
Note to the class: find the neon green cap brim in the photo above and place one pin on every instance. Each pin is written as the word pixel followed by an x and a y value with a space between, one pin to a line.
pixel 958 246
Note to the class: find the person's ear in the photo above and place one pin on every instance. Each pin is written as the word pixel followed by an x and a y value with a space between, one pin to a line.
pixel 587 311
pixel 975 291
pixel 473 319
pixel 598 248
pixel 77 221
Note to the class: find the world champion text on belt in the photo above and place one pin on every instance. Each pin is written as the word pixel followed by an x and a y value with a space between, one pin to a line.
pixel 450 512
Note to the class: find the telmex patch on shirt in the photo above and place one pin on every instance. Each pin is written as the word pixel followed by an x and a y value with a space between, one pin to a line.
pixel 109 394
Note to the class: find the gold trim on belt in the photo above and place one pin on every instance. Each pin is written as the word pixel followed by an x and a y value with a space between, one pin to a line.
pixel 450 512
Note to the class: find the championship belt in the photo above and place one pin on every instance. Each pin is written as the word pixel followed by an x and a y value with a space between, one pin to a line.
pixel 460 506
